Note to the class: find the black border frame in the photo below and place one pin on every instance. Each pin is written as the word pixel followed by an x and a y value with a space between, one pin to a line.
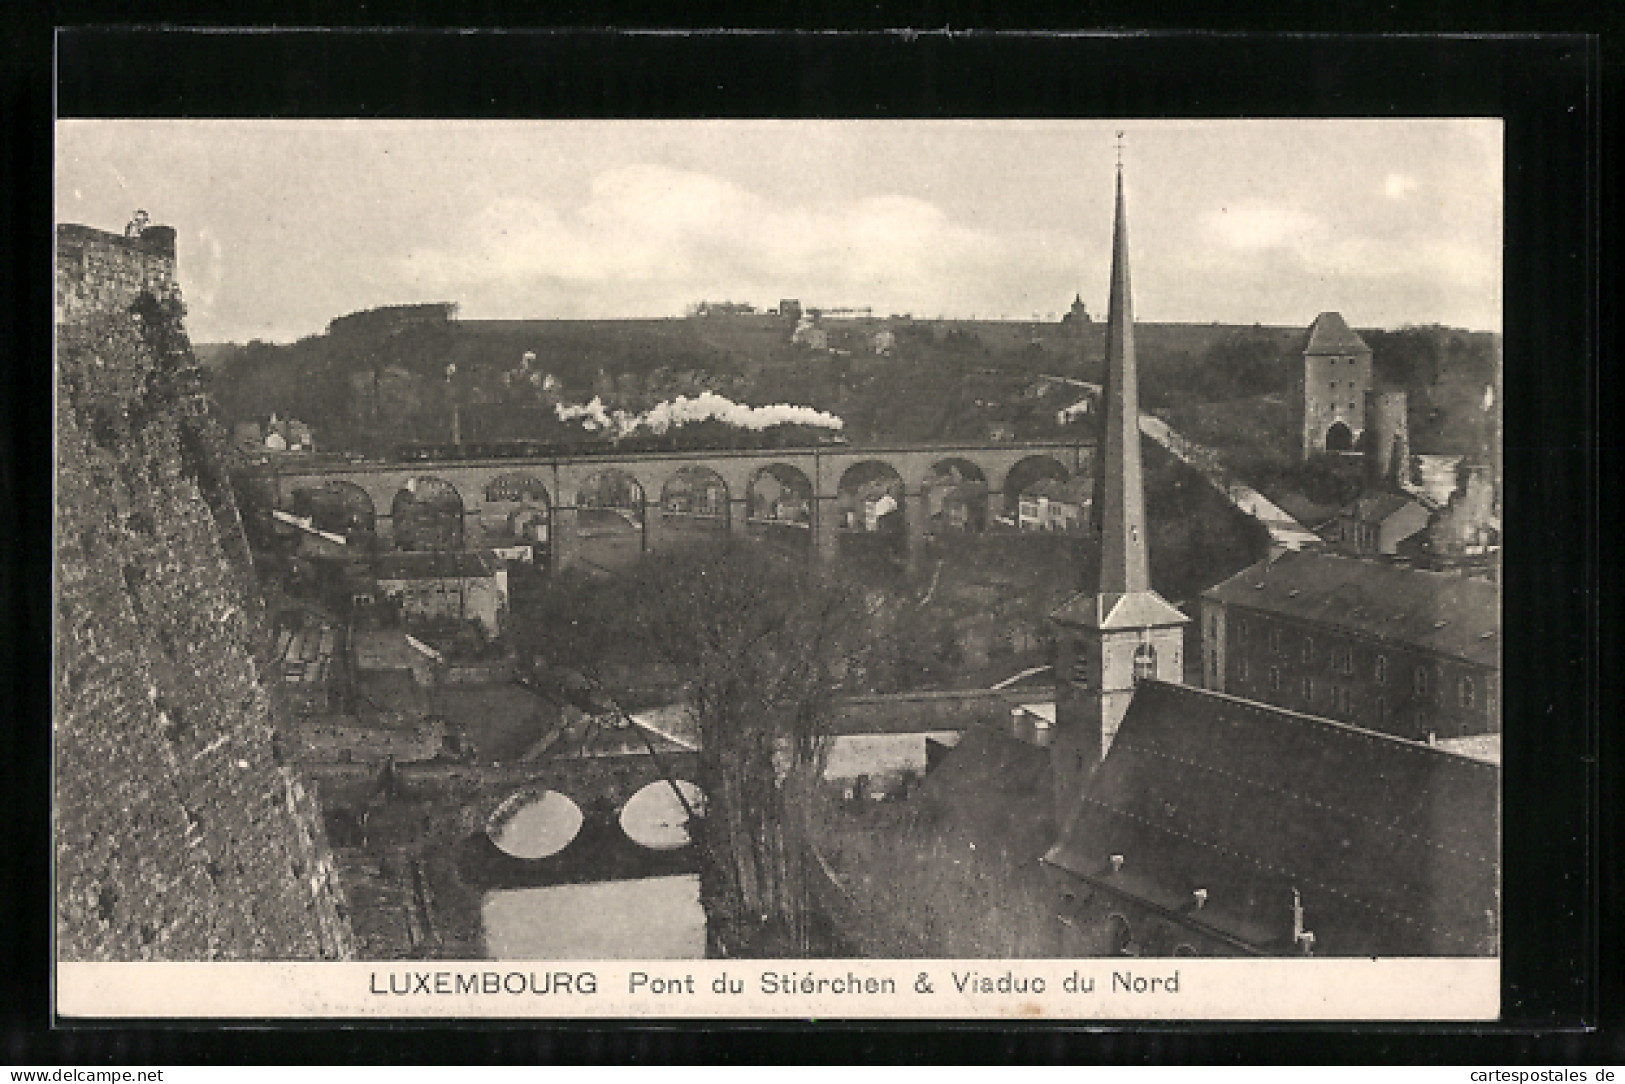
pixel 1547 87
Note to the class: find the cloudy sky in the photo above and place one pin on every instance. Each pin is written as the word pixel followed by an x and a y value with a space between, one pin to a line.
pixel 285 224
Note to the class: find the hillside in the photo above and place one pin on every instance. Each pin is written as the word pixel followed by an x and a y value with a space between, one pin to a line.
pixel 374 380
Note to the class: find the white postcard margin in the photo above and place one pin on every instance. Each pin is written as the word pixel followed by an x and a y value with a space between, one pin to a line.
pixel 1186 988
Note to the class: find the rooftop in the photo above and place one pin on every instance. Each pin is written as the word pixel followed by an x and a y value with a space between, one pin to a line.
pixel 1075 490
pixel 1378 507
pixel 449 564
pixel 1116 610
pixel 1451 615
pixel 1392 844
pixel 1329 334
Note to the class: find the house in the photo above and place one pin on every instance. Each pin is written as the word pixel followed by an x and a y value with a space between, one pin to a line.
pixel 1080 409
pixel 685 496
pixel 1407 652
pixel 1221 826
pixel 791 508
pixel 876 511
pixel 1052 505
pixel 1378 524
pixel 809 334
pixel 530 523
pixel 460 584
pixel 1469 525
pixel 956 510
pixel 288 435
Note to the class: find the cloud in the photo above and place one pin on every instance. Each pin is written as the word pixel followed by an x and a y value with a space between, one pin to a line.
pixel 654 239
pixel 1257 225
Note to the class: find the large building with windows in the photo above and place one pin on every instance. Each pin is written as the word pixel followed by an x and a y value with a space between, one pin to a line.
pixel 1410 653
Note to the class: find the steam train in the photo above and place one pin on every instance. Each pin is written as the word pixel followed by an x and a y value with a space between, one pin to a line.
pixel 688 438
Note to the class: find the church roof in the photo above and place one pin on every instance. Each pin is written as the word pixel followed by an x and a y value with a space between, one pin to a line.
pixel 1392 844
pixel 1448 614
pixel 1329 334
pixel 995 789
pixel 1116 610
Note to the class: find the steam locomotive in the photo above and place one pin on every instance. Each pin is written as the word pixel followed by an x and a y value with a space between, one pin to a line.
pixel 687 438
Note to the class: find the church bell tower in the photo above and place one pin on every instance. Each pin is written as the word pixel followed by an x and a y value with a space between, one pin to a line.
pixel 1122 632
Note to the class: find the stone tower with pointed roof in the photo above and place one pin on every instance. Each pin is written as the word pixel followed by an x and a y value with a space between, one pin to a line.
pixel 1336 377
pixel 1122 631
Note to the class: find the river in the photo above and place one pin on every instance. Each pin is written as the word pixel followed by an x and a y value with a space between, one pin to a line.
pixel 655 918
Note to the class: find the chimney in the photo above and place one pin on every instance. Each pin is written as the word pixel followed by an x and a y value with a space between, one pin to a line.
pixel 1201 898
pixel 1117 863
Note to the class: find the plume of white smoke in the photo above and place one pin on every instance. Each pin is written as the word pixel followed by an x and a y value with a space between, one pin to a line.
pixel 592 416
pixel 710 406
pixel 707 406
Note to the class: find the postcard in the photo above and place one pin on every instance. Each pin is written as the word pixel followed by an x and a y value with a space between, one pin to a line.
pixel 970 568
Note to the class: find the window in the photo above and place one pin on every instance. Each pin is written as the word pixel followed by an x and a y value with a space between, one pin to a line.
pixel 1275 679
pixel 1340 699
pixel 1308 650
pixel 1241 633
pixel 1419 681
pixel 1465 693
pixel 1308 690
pixel 1080 665
pixel 1145 663
pixel 1241 669
pixel 1382 670
pixel 1382 713
pixel 1275 640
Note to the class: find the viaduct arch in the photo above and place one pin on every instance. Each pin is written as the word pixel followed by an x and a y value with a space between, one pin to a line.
pixel 770 493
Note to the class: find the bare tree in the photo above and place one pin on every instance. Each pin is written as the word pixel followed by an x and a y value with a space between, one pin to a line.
pixel 758 638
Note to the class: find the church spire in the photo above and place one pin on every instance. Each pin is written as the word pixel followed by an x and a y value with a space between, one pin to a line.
pixel 1119 632
pixel 1119 499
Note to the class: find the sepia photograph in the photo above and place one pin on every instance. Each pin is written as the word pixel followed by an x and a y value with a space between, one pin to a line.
pixel 777 552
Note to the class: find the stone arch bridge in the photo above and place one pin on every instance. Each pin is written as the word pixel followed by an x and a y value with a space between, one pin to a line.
pixel 724 489
pixel 601 780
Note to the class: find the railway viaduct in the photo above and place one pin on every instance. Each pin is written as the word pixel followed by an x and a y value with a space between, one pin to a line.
pixel 820 482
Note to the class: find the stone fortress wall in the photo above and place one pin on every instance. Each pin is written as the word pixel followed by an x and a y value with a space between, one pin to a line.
pixel 179 835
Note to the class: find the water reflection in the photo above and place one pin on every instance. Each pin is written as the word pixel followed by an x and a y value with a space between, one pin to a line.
pixel 658 816
pixel 535 826
pixel 656 918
